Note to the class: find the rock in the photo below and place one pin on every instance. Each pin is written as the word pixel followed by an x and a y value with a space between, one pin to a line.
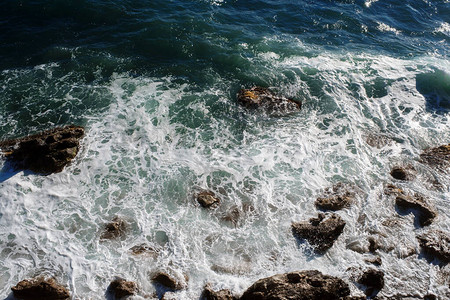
pixel 171 282
pixel 40 289
pixel 377 140
pixel 425 212
pixel 374 260
pixel 437 157
pixel 209 294
pixel 114 229
pixel 46 152
pixel 310 285
pixel 374 281
pixel 144 249
pixel 337 197
pixel 437 244
pixel 429 297
pixel 121 288
pixel 259 97
pixel 207 199
pixel 320 232
pixel 170 296
pixel 403 173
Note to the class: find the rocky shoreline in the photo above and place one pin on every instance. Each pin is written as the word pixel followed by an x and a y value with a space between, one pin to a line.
pixel 50 151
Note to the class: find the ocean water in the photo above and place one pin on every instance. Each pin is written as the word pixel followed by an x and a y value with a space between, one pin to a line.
pixel 155 82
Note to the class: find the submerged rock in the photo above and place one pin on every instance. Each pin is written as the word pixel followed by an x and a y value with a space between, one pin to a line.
pixel 207 199
pixel 437 157
pixel 425 213
pixel 311 285
pixel 46 152
pixel 259 97
pixel 114 229
pixel 337 197
pixel 145 250
pixel 374 281
pixel 209 294
pixel 320 232
pixel 437 244
pixel 40 289
pixel 121 288
pixel 403 173
pixel 172 282
pixel 377 140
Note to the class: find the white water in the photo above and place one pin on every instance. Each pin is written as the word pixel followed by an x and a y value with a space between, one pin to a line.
pixel 159 142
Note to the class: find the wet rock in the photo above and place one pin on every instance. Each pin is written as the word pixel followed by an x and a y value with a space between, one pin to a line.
pixel 207 199
pixel 437 244
pixel 145 250
pixel 377 140
pixel 259 97
pixel 425 213
pixel 374 281
pixel 429 297
pixel 114 229
pixel 40 289
pixel 46 152
pixel 170 296
pixel 374 260
pixel 437 157
pixel 337 197
pixel 121 288
pixel 172 282
pixel 320 232
pixel 403 173
pixel 210 294
pixel 236 214
pixel 311 285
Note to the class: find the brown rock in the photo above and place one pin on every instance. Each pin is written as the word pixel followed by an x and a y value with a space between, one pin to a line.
pixel 114 229
pixel 209 294
pixel 169 281
pixel 320 232
pixel 308 285
pixel 259 97
pixel 46 152
pixel 373 279
pixel 377 140
pixel 403 173
pixel 425 212
pixel 337 197
pixel 40 289
pixel 437 244
pixel 145 250
pixel 437 157
pixel 207 199
pixel 122 288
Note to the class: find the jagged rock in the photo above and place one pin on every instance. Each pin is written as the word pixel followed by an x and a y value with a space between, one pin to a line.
pixel 169 281
pixel 438 157
pixel 209 294
pixel 144 249
pixel 40 289
pixel 374 260
pixel 310 285
pixel 337 197
pixel 259 97
pixel 320 232
pixel 403 173
pixel 46 152
pixel 377 140
pixel 425 212
pixel 373 279
pixel 437 244
pixel 114 229
pixel 121 288
pixel 391 189
pixel 207 199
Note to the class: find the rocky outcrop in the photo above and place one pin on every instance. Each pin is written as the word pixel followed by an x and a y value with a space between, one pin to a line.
pixel 40 289
pixel 407 173
pixel 310 285
pixel 422 210
pixel 207 199
pixel 210 294
pixel 437 157
pixel 320 232
pixel 259 97
pixel 336 197
pixel 46 152
pixel 145 250
pixel 114 229
pixel 121 288
pixel 373 280
pixel 172 282
pixel 437 244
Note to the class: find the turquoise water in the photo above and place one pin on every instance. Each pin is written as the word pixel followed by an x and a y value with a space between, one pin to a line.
pixel 155 82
